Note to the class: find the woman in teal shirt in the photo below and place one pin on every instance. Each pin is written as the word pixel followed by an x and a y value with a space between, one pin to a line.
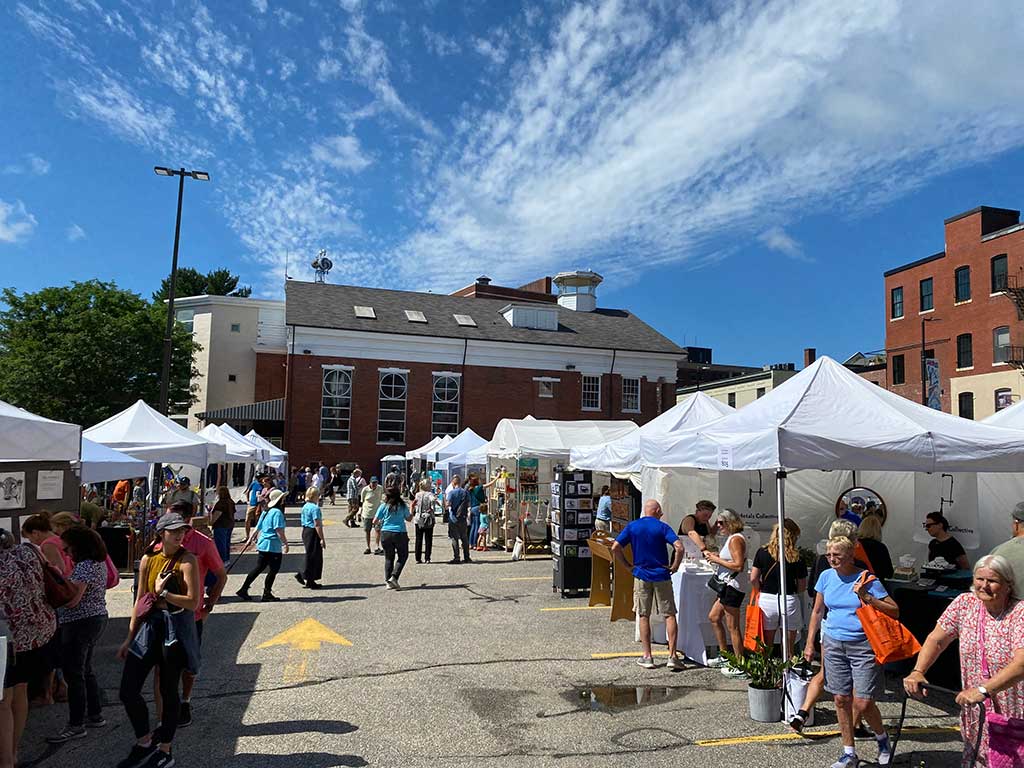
pixel 390 519
pixel 311 519
pixel 270 540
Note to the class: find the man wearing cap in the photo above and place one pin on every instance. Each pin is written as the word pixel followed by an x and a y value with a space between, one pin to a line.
pixel 856 511
pixel 1013 550
pixel 209 560
pixel 370 499
pixel 352 496
pixel 184 493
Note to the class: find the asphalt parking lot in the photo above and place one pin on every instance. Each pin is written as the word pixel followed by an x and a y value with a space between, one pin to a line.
pixel 467 665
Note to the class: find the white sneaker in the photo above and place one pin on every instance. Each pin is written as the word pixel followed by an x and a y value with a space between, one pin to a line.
pixel 846 760
pixel 646 662
pixel 730 671
pixel 390 584
pixel 717 662
pixel 674 662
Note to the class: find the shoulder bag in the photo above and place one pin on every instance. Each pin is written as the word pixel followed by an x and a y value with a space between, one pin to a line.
pixel 1005 734
pixel 59 591
pixel 889 639
pixel 754 629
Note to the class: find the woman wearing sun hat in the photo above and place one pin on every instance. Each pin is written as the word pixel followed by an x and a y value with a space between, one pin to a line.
pixel 270 541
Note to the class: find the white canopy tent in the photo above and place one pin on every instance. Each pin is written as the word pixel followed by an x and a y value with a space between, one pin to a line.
pixel 465 441
pixel 275 456
pixel 235 450
pixel 552 439
pixel 101 464
pixel 261 454
pixel 473 458
pixel 828 418
pixel 624 456
pixel 1010 418
pixel 419 453
pixel 143 433
pixel 27 437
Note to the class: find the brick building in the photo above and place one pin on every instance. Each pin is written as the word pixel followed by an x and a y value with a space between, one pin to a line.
pixel 369 372
pixel 963 307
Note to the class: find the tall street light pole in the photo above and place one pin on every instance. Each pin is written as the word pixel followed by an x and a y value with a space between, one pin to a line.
pixel 165 372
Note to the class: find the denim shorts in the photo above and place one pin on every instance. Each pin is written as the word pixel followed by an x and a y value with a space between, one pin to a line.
pixel 851 667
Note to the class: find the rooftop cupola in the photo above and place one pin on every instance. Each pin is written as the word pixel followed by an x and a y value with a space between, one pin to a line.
pixel 577 290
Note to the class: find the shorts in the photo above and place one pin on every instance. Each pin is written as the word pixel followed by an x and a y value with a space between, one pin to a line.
pixel 850 667
pixel 250 516
pixel 602 525
pixel 653 594
pixel 769 605
pixel 31 665
pixel 367 522
pixel 9 668
pixel 731 597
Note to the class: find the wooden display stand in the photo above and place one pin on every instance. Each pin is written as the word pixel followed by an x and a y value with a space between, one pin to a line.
pixel 611 583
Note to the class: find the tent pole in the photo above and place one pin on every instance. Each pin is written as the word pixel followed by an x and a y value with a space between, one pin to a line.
pixel 780 480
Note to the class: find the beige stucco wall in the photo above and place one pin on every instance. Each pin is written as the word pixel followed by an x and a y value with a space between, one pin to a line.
pixel 984 387
pixel 745 391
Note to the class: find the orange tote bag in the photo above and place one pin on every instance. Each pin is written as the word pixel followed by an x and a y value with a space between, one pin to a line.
pixel 889 639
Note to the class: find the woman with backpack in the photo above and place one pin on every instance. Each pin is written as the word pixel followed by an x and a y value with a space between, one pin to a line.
pixel 423 507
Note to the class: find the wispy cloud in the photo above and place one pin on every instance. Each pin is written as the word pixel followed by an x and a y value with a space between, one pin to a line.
pixel 494 49
pixel 780 241
pixel 328 68
pixel 54 30
pixel 439 43
pixel 342 153
pixel 16 223
pixel 260 6
pixel 75 233
pixel 287 68
pixel 32 164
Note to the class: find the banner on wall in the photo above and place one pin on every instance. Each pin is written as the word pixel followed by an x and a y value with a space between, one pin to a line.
pixel 931 370
pixel 956 496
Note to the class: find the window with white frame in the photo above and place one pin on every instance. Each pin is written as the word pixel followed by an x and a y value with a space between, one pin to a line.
pixel 445 418
pixel 394 389
pixel 336 406
pixel 546 388
pixel 591 393
pixel 631 395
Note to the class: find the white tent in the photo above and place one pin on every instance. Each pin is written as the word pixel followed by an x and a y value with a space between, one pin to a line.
pixel 624 456
pixel 235 449
pixel 1011 418
pixel 260 454
pixel 142 432
pixel 465 441
pixel 101 464
pixel 275 456
pixel 552 439
pixel 826 417
pixel 433 445
pixel 27 437
pixel 473 458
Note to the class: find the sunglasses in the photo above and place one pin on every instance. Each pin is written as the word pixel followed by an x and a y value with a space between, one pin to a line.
pixel 928 525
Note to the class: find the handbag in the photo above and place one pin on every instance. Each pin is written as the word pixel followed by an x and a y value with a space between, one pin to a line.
pixel 59 591
pixel 717 584
pixel 754 630
pixel 889 639
pixel 113 577
pixel 1005 734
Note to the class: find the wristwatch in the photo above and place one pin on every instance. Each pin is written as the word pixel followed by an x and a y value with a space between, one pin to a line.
pixel 984 692
pixel 163 593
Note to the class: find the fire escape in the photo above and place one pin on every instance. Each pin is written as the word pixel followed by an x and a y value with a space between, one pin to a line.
pixel 1012 286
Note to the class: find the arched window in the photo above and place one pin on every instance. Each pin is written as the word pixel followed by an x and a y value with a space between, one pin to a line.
pixel 336 406
pixel 445 419
pixel 965 405
pixel 394 388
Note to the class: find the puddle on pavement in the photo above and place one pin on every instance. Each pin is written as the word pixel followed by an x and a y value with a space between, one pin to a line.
pixel 614 698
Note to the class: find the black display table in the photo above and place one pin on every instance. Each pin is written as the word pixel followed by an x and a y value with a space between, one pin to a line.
pixel 920 609
pixel 116 540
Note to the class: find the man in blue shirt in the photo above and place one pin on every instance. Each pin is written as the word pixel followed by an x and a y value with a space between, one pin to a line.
pixel 652 576
pixel 458 521
pixel 604 510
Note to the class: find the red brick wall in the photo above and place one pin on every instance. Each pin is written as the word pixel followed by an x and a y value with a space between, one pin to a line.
pixel 488 395
pixel 876 377
pixel 271 372
pixel 979 317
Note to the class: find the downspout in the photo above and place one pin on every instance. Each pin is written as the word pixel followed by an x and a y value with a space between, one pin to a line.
pixel 611 384
pixel 462 385
pixel 289 372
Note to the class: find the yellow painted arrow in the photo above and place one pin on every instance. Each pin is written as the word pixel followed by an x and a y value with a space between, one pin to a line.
pixel 302 639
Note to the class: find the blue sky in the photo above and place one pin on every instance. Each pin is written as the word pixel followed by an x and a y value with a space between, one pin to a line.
pixel 742 173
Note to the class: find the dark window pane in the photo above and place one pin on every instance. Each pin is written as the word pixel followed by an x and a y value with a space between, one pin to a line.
pixel 964 351
pixel 899 374
pixel 999 272
pixel 963 284
pixel 966 405
pixel 897 303
pixel 927 299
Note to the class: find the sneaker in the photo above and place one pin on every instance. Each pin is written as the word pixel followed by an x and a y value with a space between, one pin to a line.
pixel 298 578
pixel 185 715
pixel 366 551
pixel 244 595
pixel 68 733
pixel 389 584
pixel 675 663
pixel 395 585
pixel 454 562
pixel 159 759
pixel 269 598
pixel 846 760
pixel 95 722
pixel 717 662
pixel 467 560
pixel 646 662
pixel 138 756
pixel 884 750
pixel 797 721
pixel 378 551
pixel 313 584
pixel 730 671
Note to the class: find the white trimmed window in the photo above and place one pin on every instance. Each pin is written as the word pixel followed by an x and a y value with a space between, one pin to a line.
pixel 591 393
pixel 631 395
pixel 394 389
pixel 445 414
pixel 336 406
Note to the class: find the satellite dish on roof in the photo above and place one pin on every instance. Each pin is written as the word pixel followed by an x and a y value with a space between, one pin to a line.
pixel 322 265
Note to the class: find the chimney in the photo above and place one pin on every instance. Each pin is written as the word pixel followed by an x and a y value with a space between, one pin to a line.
pixel 810 355
pixel 483 280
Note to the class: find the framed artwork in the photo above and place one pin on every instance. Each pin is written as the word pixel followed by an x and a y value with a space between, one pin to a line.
pixel 572 503
pixel 570 489
pixel 570 534
pixel 571 551
pixel 583 489
pixel 12 490
pixel 583 518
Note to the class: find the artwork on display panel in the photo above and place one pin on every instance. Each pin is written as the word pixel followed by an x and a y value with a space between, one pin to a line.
pixel 12 490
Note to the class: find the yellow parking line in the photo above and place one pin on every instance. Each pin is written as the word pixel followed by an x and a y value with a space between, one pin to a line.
pixel 527 578
pixel 811 735
pixel 579 608
pixel 626 655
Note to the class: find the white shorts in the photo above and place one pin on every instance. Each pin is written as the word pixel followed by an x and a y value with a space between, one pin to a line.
pixel 770 607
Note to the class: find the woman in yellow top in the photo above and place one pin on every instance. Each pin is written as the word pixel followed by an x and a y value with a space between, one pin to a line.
pixel 165 637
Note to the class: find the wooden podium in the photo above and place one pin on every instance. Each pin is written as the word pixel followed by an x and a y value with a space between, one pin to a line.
pixel 611 583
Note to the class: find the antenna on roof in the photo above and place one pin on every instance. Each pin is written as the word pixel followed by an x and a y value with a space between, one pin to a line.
pixel 322 265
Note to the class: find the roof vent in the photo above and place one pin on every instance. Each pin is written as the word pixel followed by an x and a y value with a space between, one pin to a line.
pixel 415 316
pixel 483 280
pixel 577 290
pixel 365 312
pixel 465 320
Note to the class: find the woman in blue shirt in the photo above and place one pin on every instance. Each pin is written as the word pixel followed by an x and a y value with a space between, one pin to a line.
pixel 270 540
pixel 390 519
pixel 852 674
pixel 603 517
pixel 311 519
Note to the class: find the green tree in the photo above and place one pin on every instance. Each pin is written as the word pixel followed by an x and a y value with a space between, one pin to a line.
pixel 83 352
pixel 192 282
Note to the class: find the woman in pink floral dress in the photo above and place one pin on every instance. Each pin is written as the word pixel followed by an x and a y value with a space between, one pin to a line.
pixel 990 610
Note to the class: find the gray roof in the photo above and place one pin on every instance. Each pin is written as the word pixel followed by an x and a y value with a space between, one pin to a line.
pixel 321 305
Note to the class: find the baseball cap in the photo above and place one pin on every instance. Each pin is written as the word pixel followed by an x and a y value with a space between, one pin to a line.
pixel 1018 511
pixel 858 499
pixel 374 479
pixel 170 521
pixel 184 481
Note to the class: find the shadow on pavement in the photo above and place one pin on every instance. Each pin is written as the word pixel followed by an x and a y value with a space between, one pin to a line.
pixel 282 727
pixel 304 759
pixel 323 599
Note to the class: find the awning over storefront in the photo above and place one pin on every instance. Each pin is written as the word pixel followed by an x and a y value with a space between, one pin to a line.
pixel 264 410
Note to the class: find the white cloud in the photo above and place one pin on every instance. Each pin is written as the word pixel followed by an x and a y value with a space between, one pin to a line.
pixel 328 68
pixel 287 68
pixel 16 223
pixel 286 18
pixel 494 50
pixel 342 153
pixel 75 233
pixel 777 239
pixel 260 6
pixel 54 30
pixel 439 43
pixel 617 143
pixel 33 164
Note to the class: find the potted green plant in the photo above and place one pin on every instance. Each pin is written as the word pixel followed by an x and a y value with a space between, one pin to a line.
pixel 765 671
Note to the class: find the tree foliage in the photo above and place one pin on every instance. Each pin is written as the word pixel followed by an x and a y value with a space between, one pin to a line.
pixel 83 352
pixel 192 282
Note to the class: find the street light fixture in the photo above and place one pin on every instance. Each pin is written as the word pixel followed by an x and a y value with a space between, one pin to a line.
pixel 165 371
